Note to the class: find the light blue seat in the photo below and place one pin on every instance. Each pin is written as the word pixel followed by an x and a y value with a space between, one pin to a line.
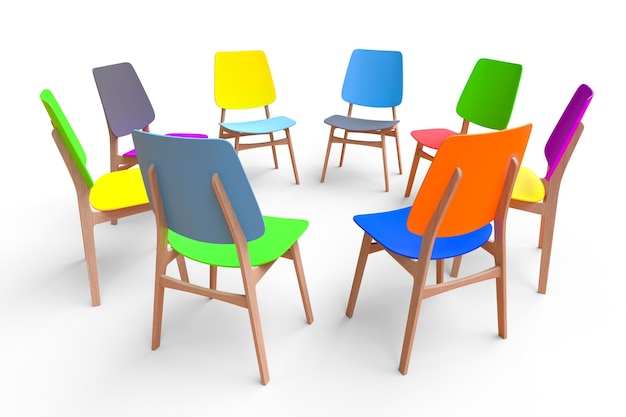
pixel 260 127
pixel 243 83
pixel 374 79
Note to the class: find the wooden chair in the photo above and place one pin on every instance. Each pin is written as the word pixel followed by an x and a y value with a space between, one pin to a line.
pixel 373 81
pixel 539 194
pixel 243 82
pixel 112 196
pixel 463 200
pixel 486 100
pixel 206 211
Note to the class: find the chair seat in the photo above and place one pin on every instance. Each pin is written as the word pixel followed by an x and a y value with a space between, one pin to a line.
pixel 432 138
pixel 280 235
pixel 528 186
pixel 259 127
pixel 118 189
pixel 359 125
pixel 389 230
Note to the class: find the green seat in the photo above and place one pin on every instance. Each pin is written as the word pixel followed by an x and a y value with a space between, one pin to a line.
pixel 206 211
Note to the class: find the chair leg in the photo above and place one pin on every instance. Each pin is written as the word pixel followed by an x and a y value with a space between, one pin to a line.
pixel 456 265
pixel 546 235
pixel 182 268
pixel 411 325
pixel 501 302
pixel 213 277
pixel 366 246
pixel 274 151
pixel 330 142
pixel 304 292
pixel 89 244
pixel 383 145
pixel 416 160
pixel 157 312
pixel 343 148
pixel 398 151
pixel 440 270
pixel 293 157
pixel 257 333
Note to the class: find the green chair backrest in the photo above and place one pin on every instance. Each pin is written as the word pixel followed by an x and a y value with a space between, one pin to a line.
pixel 489 94
pixel 60 123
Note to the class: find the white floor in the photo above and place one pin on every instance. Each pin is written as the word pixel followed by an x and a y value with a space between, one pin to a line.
pixel 61 357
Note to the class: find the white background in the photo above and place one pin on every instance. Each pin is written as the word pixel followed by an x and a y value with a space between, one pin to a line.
pixel 61 357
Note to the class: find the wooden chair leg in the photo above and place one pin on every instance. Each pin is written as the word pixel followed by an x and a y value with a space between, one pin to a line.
pixel 366 245
pixel 416 160
pixel 330 142
pixel 157 313
pixel 89 244
pixel 293 157
pixel 182 268
pixel 398 152
pixel 274 151
pixel 383 145
pixel 304 292
pixel 501 303
pixel 546 235
pixel 456 265
pixel 411 325
pixel 257 333
pixel 440 270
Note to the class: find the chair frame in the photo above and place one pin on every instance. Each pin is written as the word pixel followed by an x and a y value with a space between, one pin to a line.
pixel 418 268
pixel 421 153
pixel 546 209
pixel 344 140
pixel 250 275
pixel 225 133
pixel 89 217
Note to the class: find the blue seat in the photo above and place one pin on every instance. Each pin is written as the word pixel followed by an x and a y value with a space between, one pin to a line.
pixel 462 202
pixel 374 80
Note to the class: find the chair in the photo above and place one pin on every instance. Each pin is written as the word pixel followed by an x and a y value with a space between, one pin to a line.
pixel 126 108
pixel 373 81
pixel 535 194
pixel 463 199
pixel 487 100
pixel 206 211
pixel 243 81
pixel 113 195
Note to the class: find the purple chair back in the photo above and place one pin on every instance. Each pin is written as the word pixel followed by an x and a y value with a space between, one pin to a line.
pixel 565 128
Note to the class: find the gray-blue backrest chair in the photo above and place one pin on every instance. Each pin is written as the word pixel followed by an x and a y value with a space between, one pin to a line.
pixel 206 210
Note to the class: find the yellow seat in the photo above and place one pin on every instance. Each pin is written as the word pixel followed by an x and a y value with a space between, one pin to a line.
pixel 539 194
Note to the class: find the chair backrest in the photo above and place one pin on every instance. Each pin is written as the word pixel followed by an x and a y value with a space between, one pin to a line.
pixel 489 95
pixel 71 142
pixel 564 130
pixel 184 168
pixel 124 100
pixel 483 159
pixel 242 80
pixel 374 78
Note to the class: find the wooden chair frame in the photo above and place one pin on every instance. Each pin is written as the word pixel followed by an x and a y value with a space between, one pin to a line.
pixel 250 275
pixel 89 217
